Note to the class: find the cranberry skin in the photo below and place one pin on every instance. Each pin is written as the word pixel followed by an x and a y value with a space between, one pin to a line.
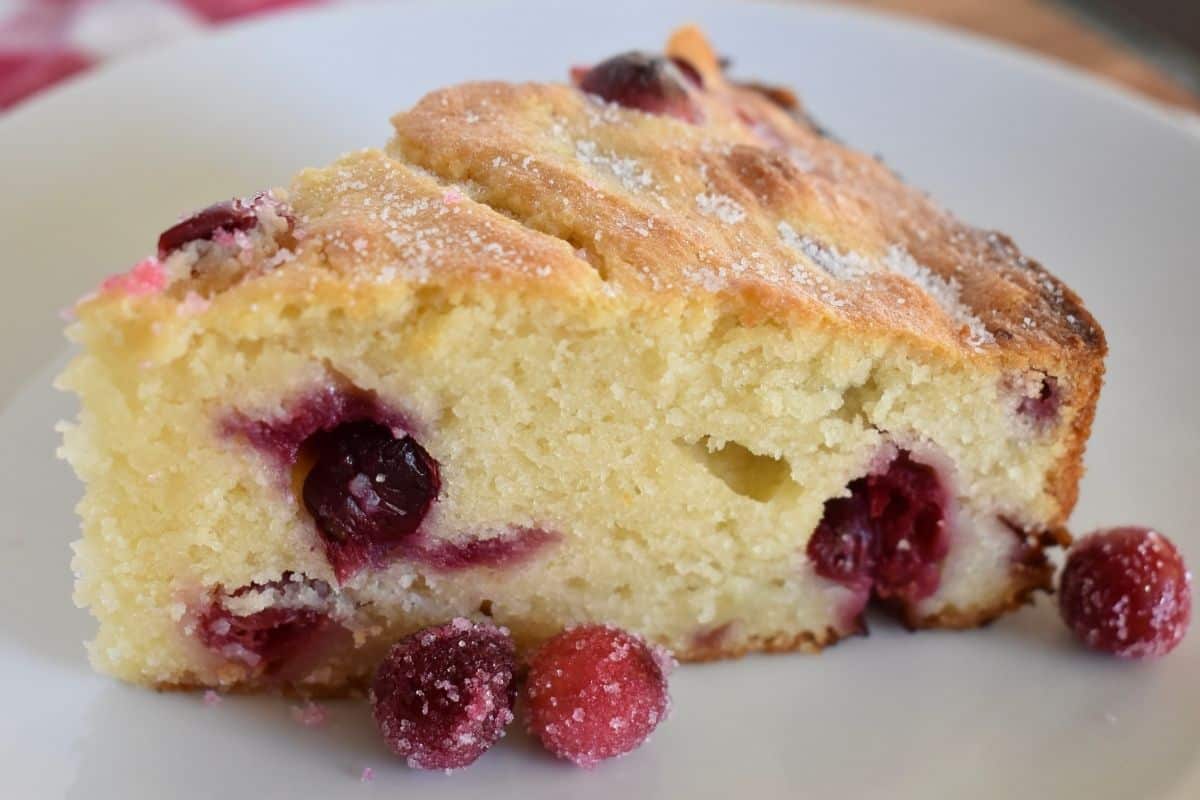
pixel 648 83
pixel 908 511
pixel 1042 410
pixel 231 215
pixel 595 692
pixel 444 695
pixel 265 640
pixel 890 534
pixel 1127 592
pixel 368 492
pixel 842 547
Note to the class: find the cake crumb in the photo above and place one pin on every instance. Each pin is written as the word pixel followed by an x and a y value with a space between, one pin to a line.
pixel 212 699
pixel 367 775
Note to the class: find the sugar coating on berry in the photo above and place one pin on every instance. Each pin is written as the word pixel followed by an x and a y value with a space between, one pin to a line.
pixel 596 692
pixel 444 695
pixel 1126 591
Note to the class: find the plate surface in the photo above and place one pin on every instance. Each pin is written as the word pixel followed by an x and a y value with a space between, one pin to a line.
pixel 1099 186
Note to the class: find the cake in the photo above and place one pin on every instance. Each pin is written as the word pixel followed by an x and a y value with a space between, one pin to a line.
pixel 650 350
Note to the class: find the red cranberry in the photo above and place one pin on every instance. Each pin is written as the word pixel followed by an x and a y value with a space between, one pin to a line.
pixel 231 215
pixel 368 492
pixel 1126 591
pixel 890 533
pixel 444 695
pixel 595 692
pixel 265 640
pixel 908 512
pixel 648 83
pixel 842 547
pixel 1043 409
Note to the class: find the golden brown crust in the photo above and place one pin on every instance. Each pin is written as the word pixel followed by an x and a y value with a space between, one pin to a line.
pixel 675 208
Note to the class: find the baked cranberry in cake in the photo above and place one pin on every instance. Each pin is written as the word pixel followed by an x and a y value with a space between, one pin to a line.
pixel 444 695
pixel 595 692
pixel 908 511
pixel 842 548
pixel 267 639
pixel 1042 409
pixel 231 215
pixel 368 491
pixel 648 83
pixel 1126 591
pixel 889 535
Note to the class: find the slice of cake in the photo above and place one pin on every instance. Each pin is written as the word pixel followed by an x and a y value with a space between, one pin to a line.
pixel 651 351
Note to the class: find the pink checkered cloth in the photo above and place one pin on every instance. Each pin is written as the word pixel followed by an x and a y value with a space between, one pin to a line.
pixel 45 41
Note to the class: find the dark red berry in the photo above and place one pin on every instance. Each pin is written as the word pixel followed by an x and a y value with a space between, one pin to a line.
pixel 1126 591
pixel 231 215
pixel 444 695
pixel 890 534
pixel 595 692
pixel 265 640
pixel 368 491
pixel 842 546
pixel 908 512
pixel 1042 410
pixel 652 84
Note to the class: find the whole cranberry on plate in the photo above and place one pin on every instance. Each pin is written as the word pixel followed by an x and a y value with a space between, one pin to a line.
pixel 1126 591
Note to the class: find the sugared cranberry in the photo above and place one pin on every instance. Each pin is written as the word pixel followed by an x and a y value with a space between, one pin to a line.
pixel 368 491
pixel 1126 591
pixel 648 83
pixel 890 534
pixel 595 692
pixel 444 695
pixel 265 640
pixel 231 215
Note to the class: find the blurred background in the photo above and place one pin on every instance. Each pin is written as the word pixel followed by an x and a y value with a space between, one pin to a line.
pixel 1151 47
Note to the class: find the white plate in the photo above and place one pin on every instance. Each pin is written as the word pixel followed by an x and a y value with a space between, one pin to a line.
pixel 1100 186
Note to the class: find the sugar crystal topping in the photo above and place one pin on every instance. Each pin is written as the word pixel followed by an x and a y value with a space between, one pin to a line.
pixel 850 265
pixel 721 206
